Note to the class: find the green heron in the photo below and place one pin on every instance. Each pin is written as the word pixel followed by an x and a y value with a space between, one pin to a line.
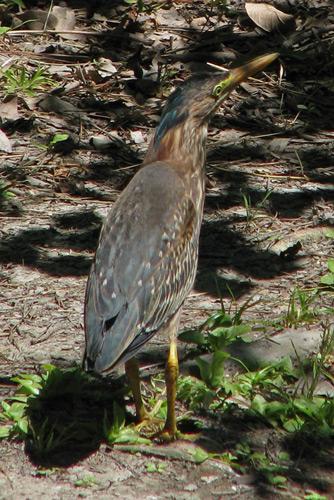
pixel 146 259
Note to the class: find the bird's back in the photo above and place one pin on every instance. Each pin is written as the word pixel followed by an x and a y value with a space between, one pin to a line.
pixel 144 266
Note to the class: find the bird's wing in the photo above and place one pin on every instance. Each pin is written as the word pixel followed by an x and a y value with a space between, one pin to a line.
pixel 144 267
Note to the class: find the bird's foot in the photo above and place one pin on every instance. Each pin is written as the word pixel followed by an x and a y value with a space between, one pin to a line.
pixel 167 435
pixel 149 423
pixel 168 432
pixel 149 420
pixel 153 425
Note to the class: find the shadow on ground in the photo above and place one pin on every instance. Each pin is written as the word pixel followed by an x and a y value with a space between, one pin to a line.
pixel 68 415
pixel 60 247
pixel 68 420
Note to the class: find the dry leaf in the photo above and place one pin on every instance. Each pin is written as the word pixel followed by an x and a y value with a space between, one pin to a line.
pixel 66 22
pixel 36 20
pixel 54 104
pixel 8 109
pixel 137 136
pixel 5 144
pixel 65 18
pixel 269 18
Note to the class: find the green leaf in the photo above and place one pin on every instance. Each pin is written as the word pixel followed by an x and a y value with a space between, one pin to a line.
pixel 30 385
pixel 50 368
pixel 291 425
pixel 331 264
pixel 130 435
pixel 23 425
pixel 222 336
pixel 112 431
pixel 217 369
pixel 284 456
pixel 205 369
pixel 330 233
pixel 116 432
pixel 259 404
pixel 192 336
pixel 278 480
pixel 218 319
pixel 86 482
pixel 29 376
pixel 327 279
pixel 5 431
pixel 286 365
pixel 151 467
pixel 5 406
pixel 118 416
pixel 200 455
pixel 275 410
pixel 16 411
pixel 107 426
pixel 58 138
pixel 312 495
pixel 239 330
pixel 4 29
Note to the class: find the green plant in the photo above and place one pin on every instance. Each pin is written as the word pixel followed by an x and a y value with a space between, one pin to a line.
pixel 271 377
pixel 319 362
pixel 14 417
pixel 251 213
pixel 4 29
pixel 87 482
pixel 17 80
pixel 195 392
pixel 117 432
pixel 245 458
pixel 220 329
pixel 47 472
pixel 32 412
pixel 327 281
pixel 267 389
pixel 313 495
pixel 328 278
pixel 299 308
pixel 5 193
pixel 267 470
pixel 221 5
pixel 50 411
pixel 58 138
pixel 148 5
pixel 152 467
pixel 200 455
pixel 9 3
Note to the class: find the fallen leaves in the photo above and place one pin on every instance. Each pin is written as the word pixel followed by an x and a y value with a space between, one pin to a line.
pixel 269 18
pixel 5 144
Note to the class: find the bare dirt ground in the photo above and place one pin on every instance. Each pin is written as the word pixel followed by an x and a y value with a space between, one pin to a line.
pixel 274 135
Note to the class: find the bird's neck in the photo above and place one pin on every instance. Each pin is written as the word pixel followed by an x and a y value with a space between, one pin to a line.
pixel 184 146
pixel 183 149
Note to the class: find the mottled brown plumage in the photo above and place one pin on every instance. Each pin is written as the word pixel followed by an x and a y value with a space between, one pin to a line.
pixel 146 259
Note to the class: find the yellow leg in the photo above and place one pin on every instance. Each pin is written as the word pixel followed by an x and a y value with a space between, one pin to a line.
pixel 171 375
pixel 132 372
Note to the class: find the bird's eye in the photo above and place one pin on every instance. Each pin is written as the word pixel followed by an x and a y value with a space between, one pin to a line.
pixel 222 87
pixel 218 89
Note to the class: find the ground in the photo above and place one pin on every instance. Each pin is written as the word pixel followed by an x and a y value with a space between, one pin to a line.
pixel 268 216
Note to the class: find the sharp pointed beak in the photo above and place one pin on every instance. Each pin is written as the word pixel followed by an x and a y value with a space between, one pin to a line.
pixel 240 74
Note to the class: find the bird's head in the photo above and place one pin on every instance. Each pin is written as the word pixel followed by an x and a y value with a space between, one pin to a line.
pixel 199 97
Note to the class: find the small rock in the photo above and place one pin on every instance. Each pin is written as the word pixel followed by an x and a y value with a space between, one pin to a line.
pixel 209 479
pixel 190 487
